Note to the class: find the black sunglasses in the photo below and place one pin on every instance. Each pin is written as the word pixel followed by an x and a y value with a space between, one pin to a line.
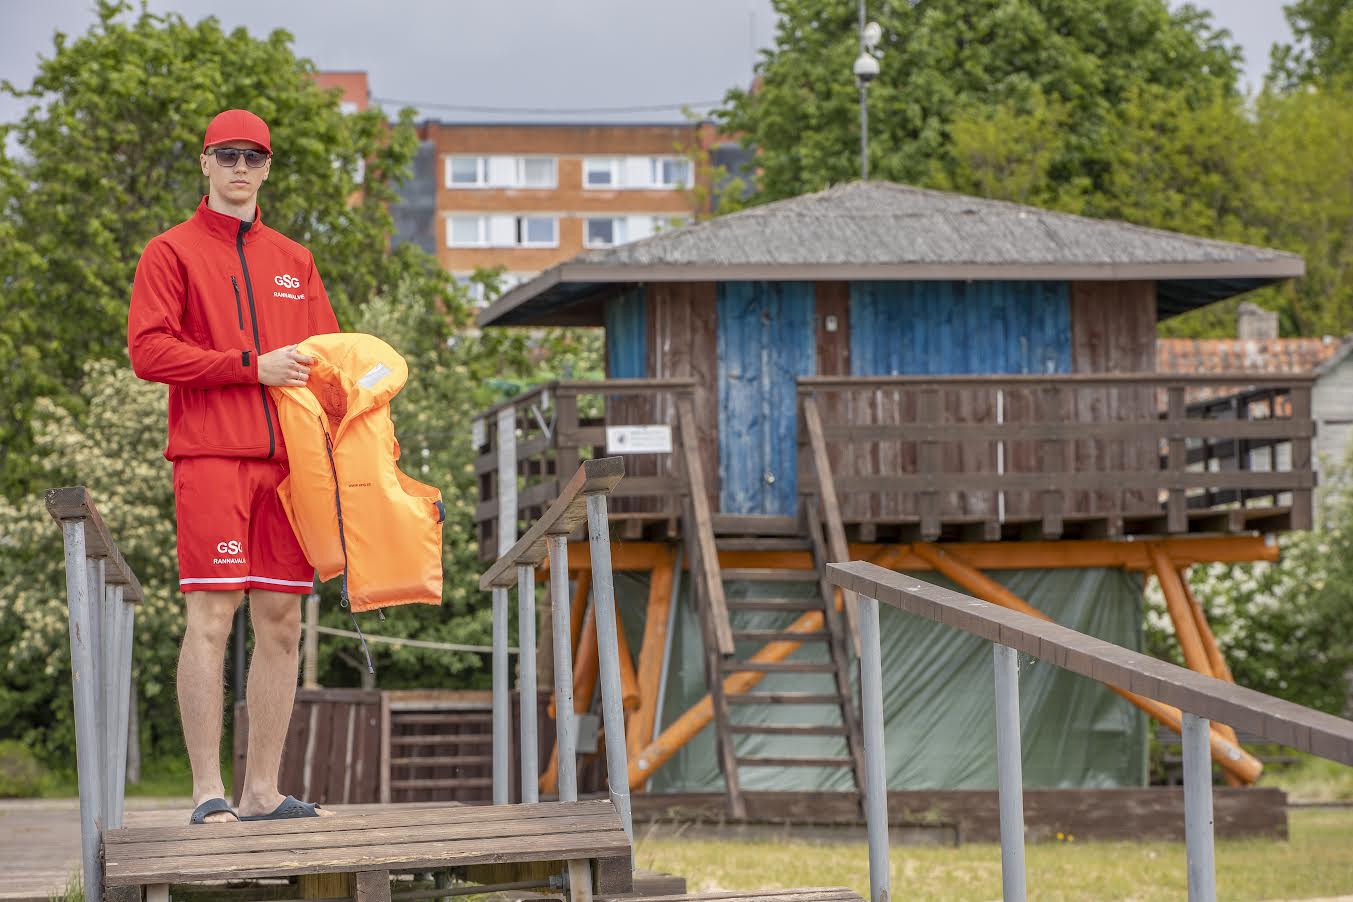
pixel 229 156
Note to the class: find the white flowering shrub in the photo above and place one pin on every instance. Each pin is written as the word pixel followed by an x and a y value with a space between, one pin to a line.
pixel 114 445
pixel 1285 628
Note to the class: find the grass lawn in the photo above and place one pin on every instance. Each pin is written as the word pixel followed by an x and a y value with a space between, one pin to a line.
pixel 1317 861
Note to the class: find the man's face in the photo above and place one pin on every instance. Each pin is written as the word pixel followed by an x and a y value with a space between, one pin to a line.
pixel 237 184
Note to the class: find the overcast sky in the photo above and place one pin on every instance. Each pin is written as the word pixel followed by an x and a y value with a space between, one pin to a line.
pixel 550 54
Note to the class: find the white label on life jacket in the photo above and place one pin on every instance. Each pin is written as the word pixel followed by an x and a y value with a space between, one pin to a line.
pixel 374 375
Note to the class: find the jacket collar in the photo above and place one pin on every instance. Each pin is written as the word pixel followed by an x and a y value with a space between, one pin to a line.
pixel 225 226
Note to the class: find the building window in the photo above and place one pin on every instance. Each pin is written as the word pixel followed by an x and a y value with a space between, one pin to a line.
pixel 502 231
pixel 605 231
pixel 501 172
pixel 662 173
pixel 608 231
pixel 671 172
pixel 601 172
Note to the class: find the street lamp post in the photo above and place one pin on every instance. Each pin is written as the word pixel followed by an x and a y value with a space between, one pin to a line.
pixel 866 70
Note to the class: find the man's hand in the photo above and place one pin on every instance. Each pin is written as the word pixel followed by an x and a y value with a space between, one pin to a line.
pixel 284 367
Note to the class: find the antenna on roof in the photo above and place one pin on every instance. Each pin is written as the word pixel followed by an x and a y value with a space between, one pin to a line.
pixel 866 70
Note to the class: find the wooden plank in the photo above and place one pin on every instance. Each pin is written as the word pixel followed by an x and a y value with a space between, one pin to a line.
pixel 812 384
pixel 837 549
pixel 778 635
pixel 711 579
pixel 1271 480
pixel 795 761
pixel 442 760
pixel 777 667
pixel 1176 506
pixel 1272 430
pixel 402 855
pixel 784 729
pixel 784 698
pixel 1243 709
pixel 754 525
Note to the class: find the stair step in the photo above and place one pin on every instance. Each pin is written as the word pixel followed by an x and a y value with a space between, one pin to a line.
pixel 783 698
pixel 774 604
pixel 768 574
pixel 802 761
pixel 781 635
pixel 778 667
pixel 786 729
pixel 772 543
pixel 754 525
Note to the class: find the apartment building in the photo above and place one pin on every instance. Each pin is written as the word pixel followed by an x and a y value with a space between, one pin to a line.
pixel 523 197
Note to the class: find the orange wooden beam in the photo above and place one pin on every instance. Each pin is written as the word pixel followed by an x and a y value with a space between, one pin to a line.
pixel 1183 551
pixel 1227 753
pixel 1216 662
pixel 1177 602
pixel 639 730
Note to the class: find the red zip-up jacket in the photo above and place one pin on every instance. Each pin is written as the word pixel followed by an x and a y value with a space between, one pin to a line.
pixel 211 295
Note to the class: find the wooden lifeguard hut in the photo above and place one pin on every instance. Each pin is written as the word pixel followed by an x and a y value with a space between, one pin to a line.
pixel 927 380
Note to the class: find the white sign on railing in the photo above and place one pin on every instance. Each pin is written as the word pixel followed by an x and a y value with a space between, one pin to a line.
pixel 638 439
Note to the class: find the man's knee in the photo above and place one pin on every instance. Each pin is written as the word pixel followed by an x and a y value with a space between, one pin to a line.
pixel 277 621
pixel 210 615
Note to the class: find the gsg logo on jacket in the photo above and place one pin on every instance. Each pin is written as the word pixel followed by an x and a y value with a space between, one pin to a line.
pixel 286 280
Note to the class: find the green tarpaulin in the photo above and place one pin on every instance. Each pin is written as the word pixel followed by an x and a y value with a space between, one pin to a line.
pixel 938 694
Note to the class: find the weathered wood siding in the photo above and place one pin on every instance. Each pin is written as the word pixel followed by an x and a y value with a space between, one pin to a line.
pixel 1113 330
pixel 766 341
pixel 950 328
pixel 682 343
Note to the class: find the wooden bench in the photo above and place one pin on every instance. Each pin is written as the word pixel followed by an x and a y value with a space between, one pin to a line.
pixel 508 842
pixel 811 894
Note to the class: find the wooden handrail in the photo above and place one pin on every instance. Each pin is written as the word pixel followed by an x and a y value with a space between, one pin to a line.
pixel 837 549
pixel 563 516
pixel 1246 710
pixel 808 384
pixel 75 503
pixel 711 576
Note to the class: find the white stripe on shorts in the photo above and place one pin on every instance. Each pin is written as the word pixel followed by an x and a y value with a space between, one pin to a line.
pixel 241 579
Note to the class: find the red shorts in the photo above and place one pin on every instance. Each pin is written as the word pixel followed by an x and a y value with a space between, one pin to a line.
pixel 232 531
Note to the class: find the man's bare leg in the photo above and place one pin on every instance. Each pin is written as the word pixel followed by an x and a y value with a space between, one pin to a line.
pixel 200 689
pixel 276 618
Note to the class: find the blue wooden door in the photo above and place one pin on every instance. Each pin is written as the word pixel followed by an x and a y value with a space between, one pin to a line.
pixel 766 341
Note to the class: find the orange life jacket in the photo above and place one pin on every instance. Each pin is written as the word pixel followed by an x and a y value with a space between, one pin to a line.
pixel 351 508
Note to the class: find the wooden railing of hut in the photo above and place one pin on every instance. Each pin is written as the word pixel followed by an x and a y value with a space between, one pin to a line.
pixel 1069 456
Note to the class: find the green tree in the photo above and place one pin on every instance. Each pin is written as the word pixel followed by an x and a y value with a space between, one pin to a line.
pixel 107 158
pixel 1323 52
pixel 943 59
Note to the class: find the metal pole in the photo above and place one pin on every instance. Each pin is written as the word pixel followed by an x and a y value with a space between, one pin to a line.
pixel 566 726
pixel 864 109
pixel 84 676
pixel 122 681
pixel 502 702
pixel 526 681
pixel 1198 838
pixel 1009 773
pixel 608 654
pixel 875 779
pixel 241 664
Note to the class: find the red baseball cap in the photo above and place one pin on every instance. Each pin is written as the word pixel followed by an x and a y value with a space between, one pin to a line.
pixel 237 125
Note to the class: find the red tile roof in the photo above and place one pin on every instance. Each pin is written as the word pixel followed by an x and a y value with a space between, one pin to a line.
pixel 1190 356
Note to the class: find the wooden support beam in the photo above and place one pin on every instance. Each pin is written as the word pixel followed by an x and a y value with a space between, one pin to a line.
pixel 837 549
pixel 629 680
pixel 1036 555
pixel 1227 753
pixel 1177 602
pixel 651 661
pixel 1215 661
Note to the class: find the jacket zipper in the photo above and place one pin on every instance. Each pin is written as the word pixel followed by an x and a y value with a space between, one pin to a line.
pixel 239 310
pixel 253 318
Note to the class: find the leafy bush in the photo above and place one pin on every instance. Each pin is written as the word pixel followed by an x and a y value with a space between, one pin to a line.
pixel 20 773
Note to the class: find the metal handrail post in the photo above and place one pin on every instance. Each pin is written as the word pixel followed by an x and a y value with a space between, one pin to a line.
pixel 1009 773
pixel 1199 850
pixel 608 653
pixel 502 702
pixel 84 677
pixel 526 681
pixel 566 724
pixel 875 778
